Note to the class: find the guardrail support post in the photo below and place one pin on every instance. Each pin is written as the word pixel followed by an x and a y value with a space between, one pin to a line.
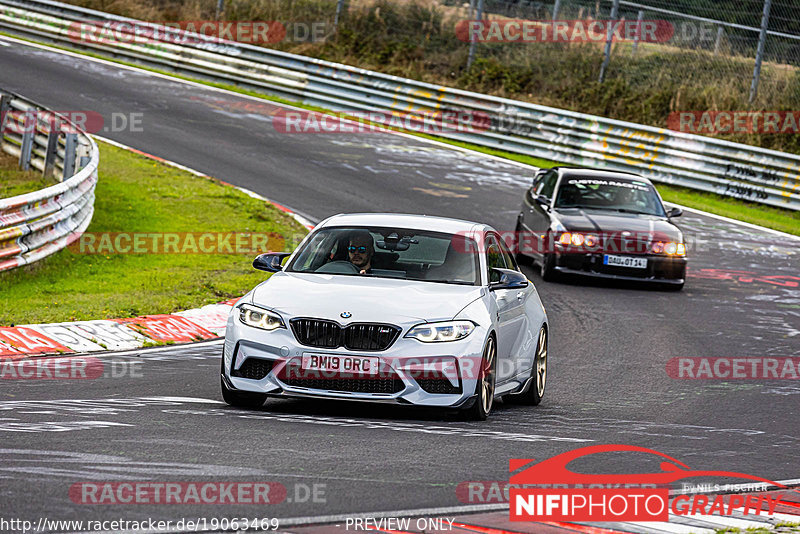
pixel 70 146
pixel 5 105
pixel 29 130
pixel 762 38
pixel 609 37
pixel 51 153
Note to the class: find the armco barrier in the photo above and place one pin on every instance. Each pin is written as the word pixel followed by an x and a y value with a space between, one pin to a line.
pixel 37 224
pixel 698 162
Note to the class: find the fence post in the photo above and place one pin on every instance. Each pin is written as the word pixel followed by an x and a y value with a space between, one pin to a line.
pixel 471 9
pixel 337 17
pixel 638 33
pixel 556 9
pixel 472 41
pixel 70 146
pixel 28 131
pixel 720 34
pixel 51 152
pixel 220 8
pixel 762 38
pixel 609 37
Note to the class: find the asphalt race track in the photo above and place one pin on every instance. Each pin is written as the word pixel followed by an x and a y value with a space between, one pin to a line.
pixel 608 353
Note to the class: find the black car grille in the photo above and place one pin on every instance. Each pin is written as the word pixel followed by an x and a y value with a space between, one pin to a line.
pixel 352 385
pixel 253 368
pixel 317 333
pixel 358 336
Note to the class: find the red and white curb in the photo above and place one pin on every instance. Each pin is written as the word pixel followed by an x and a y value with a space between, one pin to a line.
pixel 187 326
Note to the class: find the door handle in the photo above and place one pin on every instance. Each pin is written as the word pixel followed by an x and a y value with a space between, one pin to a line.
pixel 520 295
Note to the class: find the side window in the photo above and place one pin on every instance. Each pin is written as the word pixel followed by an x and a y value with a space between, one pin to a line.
pixel 507 256
pixel 494 258
pixel 548 184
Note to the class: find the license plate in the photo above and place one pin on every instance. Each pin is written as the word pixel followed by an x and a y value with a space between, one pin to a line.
pixel 625 261
pixel 344 364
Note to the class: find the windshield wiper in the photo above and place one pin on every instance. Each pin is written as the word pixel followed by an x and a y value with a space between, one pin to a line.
pixel 626 210
pixel 456 282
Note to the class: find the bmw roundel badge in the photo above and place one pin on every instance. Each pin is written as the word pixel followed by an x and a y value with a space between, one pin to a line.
pixel 346 315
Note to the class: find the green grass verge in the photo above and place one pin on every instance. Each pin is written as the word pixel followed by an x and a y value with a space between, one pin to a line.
pixel 136 194
pixel 783 220
pixel 15 182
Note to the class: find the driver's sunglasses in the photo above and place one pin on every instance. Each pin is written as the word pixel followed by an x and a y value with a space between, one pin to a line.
pixel 361 249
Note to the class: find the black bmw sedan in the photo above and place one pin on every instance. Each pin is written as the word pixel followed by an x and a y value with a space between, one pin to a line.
pixel 600 223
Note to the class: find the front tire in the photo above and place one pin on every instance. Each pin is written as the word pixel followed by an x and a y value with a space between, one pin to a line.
pixel 239 399
pixel 548 268
pixel 484 389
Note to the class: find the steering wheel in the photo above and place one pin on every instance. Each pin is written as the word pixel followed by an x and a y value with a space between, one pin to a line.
pixel 338 267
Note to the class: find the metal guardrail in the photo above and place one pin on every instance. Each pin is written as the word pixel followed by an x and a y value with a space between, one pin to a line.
pixel 37 224
pixel 666 156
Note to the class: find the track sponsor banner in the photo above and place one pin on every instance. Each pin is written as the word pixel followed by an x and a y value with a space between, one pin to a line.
pixel 168 328
pixel 213 317
pixel 25 340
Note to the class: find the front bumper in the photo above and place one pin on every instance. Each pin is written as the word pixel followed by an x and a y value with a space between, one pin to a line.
pixel 660 269
pixel 410 372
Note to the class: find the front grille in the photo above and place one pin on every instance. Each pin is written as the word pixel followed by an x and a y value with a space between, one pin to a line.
pixel 357 336
pixel 352 385
pixel 370 336
pixel 253 368
pixel 317 333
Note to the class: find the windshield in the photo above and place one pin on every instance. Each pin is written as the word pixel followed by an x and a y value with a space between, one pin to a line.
pixel 627 196
pixel 389 253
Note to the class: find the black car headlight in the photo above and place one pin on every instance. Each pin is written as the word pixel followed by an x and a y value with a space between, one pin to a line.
pixel 260 318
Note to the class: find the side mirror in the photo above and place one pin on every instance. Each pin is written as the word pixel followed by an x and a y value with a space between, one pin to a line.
pixel 509 279
pixel 537 175
pixel 543 201
pixel 270 262
pixel 675 212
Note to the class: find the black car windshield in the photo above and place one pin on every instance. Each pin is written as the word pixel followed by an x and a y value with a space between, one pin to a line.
pixel 389 253
pixel 625 196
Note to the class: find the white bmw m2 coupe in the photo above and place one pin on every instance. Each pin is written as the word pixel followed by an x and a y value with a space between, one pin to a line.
pixel 404 309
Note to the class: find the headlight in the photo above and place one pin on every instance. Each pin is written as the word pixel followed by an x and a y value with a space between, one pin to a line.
pixel 438 332
pixel 671 248
pixel 260 318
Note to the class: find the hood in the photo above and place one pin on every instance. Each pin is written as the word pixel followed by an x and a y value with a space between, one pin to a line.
pixel 598 221
pixel 368 299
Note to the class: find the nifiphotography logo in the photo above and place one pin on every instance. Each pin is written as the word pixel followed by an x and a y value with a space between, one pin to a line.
pixel 549 491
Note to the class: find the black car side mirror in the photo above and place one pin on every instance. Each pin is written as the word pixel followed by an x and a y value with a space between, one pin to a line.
pixel 675 212
pixel 508 279
pixel 537 175
pixel 270 261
